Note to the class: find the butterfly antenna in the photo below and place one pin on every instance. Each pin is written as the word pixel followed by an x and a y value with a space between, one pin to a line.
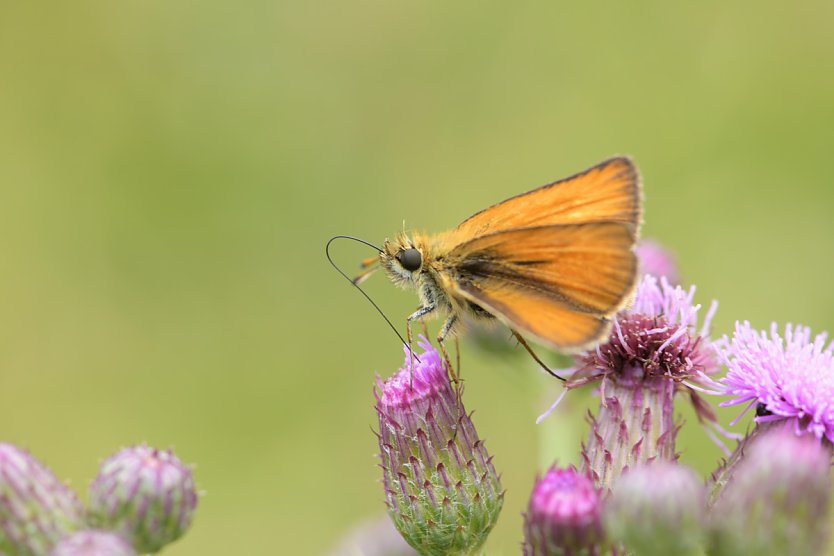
pixel 355 285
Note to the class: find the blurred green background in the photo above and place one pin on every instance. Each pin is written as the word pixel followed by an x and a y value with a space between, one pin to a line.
pixel 170 171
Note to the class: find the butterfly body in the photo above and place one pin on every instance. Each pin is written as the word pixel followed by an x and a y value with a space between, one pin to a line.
pixel 553 264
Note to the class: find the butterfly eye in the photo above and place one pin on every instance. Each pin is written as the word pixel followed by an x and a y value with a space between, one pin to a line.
pixel 410 259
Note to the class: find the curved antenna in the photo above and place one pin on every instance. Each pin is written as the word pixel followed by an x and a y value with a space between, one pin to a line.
pixel 355 285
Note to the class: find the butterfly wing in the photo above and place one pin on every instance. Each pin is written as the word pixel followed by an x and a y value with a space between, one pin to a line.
pixel 607 192
pixel 556 283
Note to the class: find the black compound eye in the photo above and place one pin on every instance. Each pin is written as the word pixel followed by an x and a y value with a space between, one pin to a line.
pixel 762 411
pixel 410 259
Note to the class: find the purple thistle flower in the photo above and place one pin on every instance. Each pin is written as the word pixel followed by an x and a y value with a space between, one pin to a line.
pixel 564 516
pixel 790 378
pixel 658 509
pixel 655 350
pixel 656 260
pixel 778 499
pixel 145 494
pixel 36 509
pixel 91 542
pixel 441 488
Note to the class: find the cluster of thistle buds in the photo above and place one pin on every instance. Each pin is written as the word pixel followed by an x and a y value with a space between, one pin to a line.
pixel 141 500
pixel 631 494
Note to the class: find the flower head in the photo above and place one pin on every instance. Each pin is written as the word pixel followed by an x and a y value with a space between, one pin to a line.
pixel 145 494
pixel 36 509
pixel 658 336
pixel 790 377
pixel 91 542
pixel 656 260
pixel 441 488
pixel 564 515
pixel 655 350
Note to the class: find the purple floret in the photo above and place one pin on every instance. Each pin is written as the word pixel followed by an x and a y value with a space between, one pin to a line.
pixel 790 377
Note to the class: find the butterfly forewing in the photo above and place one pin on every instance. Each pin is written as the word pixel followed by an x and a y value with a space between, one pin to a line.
pixel 607 192
pixel 558 283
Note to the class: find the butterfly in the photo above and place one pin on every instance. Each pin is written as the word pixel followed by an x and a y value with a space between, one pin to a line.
pixel 553 264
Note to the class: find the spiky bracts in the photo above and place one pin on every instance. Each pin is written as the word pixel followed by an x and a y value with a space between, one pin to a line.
pixel 654 351
pixel 141 500
pixel 777 498
pixel 658 509
pixel 145 494
pixel 564 516
pixel 36 509
pixel 441 488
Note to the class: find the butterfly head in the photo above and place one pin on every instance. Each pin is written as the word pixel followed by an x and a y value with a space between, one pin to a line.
pixel 402 258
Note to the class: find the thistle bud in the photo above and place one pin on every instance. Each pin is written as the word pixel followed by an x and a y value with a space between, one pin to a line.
pixel 93 543
pixel 658 509
pixel 564 516
pixel 146 495
pixel 36 509
pixel 657 260
pixel 441 488
pixel 777 499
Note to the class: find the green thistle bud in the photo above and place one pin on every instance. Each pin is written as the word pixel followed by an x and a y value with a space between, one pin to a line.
pixel 36 509
pixel 658 509
pixel 441 488
pixel 777 498
pixel 147 495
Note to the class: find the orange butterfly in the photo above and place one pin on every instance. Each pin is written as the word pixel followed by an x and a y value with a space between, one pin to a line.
pixel 552 264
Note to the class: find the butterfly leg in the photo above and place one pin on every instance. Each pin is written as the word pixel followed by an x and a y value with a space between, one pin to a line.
pixel 457 353
pixel 541 363
pixel 418 314
pixel 441 341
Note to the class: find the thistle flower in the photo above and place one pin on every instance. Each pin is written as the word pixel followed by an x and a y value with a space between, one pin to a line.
pixel 655 350
pixel 790 378
pixel 658 509
pixel 656 260
pixel 441 488
pixel 91 542
pixel 564 516
pixel 777 501
pixel 145 494
pixel 36 509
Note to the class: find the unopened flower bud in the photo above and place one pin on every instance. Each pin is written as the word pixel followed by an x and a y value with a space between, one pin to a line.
pixel 441 488
pixel 658 509
pixel 147 495
pixel 777 499
pixel 657 260
pixel 36 509
pixel 564 516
